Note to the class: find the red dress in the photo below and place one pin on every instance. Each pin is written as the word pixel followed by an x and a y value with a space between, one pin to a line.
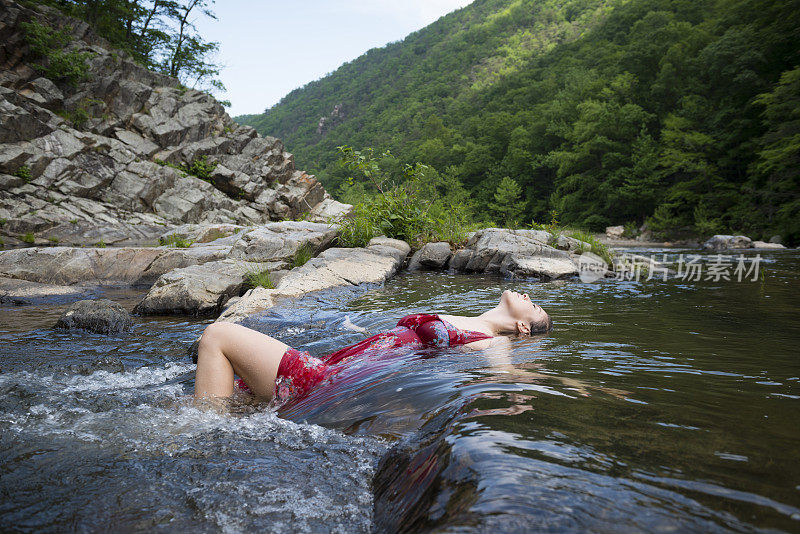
pixel 299 372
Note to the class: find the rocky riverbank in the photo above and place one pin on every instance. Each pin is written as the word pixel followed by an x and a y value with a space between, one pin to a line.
pixel 212 277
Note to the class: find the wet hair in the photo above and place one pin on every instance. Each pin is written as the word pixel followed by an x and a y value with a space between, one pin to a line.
pixel 543 326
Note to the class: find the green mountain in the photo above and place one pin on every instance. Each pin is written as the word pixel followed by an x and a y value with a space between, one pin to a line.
pixel 684 113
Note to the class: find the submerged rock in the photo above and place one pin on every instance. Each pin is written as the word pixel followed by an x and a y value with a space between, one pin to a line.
pixel 23 292
pixel 101 316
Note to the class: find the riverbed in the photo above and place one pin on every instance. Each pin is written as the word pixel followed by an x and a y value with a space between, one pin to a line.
pixel 652 406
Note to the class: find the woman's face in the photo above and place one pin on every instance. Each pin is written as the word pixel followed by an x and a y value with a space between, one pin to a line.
pixel 521 308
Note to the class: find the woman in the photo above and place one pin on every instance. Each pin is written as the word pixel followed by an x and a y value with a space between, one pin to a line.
pixel 269 367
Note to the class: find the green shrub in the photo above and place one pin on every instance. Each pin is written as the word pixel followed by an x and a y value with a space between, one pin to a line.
pixel 28 238
pixel 53 239
pixel 3 221
pixel 73 221
pixel 301 257
pixel 552 228
pixel 597 247
pixel 413 210
pixel 50 44
pixel 201 168
pixel 256 278
pixel 358 228
pixel 175 240
pixel 23 172
pixel 631 230
pixel 100 244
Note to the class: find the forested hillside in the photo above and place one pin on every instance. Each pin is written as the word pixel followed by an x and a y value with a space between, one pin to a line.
pixel 681 113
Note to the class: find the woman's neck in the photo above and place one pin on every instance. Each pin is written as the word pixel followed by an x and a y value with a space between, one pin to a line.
pixel 498 320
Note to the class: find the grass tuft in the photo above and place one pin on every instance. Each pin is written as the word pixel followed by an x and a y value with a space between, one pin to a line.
pixel 256 278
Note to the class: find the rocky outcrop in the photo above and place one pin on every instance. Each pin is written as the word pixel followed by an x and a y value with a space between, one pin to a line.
pixel 70 265
pixel 128 152
pixel 205 289
pixel 335 267
pixel 514 253
pixel 101 316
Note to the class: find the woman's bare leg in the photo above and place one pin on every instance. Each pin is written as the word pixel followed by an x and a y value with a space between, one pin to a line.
pixel 228 348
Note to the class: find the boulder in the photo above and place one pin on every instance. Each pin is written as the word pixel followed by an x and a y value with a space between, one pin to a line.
pixel 329 210
pixel 431 256
pixel 198 289
pixel 544 268
pixel 101 316
pixel 764 244
pixel 335 267
pixel 280 241
pixel 511 253
pixel 615 232
pixel 727 242
pixel 776 239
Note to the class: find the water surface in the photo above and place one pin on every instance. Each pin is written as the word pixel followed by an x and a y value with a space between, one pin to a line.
pixel 653 406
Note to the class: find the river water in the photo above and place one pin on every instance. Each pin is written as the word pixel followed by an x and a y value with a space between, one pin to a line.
pixel 654 406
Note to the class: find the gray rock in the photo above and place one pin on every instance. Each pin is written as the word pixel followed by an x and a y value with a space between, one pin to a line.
pixel 198 289
pixel 280 241
pixel 776 239
pixel 329 210
pixel 544 268
pixel 335 267
pixel 68 265
pixel 487 249
pixel 200 234
pixel 101 316
pixel 571 244
pixel 727 242
pixel 765 245
pixel 615 232
pixel 431 256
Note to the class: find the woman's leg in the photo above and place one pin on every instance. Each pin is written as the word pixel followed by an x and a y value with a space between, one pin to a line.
pixel 228 348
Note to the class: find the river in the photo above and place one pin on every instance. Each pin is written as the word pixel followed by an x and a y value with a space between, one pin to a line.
pixel 653 406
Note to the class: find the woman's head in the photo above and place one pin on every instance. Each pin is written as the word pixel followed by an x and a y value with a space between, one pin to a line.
pixel 528 318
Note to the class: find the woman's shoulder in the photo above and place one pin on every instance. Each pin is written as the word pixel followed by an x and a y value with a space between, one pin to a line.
pixel 472 324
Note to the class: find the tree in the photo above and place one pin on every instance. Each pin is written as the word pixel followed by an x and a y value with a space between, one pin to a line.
pixel 507 202
pixel 776 173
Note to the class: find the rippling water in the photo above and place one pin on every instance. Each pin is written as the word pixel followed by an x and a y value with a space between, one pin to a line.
pixel 653 406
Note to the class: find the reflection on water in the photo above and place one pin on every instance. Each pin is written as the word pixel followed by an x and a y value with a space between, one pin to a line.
pixel 653 406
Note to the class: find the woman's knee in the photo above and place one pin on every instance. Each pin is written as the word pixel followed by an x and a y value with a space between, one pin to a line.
pixel 215 336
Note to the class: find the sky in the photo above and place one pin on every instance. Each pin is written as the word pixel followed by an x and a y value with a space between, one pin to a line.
pixel 270 47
